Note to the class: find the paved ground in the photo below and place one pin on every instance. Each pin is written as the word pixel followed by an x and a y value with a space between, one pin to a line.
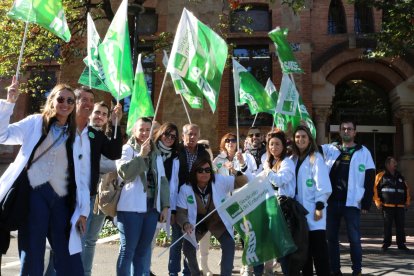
pixel 375 262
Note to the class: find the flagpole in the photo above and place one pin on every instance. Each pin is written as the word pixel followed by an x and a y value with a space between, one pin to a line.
pixel 19 62
pixel 185 107
pixel 237 125
pixel 255 117
pixel 203 219
pixel 159 99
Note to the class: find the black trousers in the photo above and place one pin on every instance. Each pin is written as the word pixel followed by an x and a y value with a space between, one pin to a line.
pixel 4 241
pixel 317 254
pixel 396 214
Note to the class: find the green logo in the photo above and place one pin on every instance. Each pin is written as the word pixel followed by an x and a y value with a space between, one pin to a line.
pixel 234 210
pixel 190 199
pixel 309 182
pixel 91 135
pixel 219 165
pixel 361 167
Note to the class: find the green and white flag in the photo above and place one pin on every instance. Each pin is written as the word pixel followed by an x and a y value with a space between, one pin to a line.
pixel 141 104
pixel 288 100
pixel 48 14
pixel 198 56
pixel 284 51
pixel 291 106
pixel 271 90
pixel 281 120
pixel 256 215
pixel 195 101
pixel 249 91
pixel 89 77
pixel 115 55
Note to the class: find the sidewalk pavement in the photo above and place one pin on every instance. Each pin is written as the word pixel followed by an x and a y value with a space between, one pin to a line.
pixel 375 262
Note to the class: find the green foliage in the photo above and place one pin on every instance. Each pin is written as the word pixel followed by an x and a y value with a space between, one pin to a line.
pixel 108 229
pixel 396 37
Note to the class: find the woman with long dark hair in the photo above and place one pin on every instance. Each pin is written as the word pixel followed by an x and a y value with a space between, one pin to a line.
pixel 204 192
pixel 313 191
pixel 46 156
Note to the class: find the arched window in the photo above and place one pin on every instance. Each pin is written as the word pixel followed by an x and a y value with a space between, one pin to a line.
pixel 336 18
pixel 363 19
pixel 256 18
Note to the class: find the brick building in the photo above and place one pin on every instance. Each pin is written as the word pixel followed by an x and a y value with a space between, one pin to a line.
pixel 329 39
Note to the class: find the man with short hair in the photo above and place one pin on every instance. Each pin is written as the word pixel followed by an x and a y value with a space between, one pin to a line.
pixel 99 121
pixel 352 173
pixel 392 197
pixel 188 152
pixel 255 146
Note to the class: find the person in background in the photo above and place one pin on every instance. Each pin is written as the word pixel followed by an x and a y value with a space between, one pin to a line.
pixel 166 141
pixel 144 200
pixel 313 190
pixel 255 146
pixel 99 121
pixel 392 197
pixel 188 152
pixel 230 158
pixel 352 174
pixel 55 197
pixel 199 198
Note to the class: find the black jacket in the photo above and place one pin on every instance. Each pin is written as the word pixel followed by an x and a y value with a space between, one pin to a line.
pixel 101 144
pixel 183 173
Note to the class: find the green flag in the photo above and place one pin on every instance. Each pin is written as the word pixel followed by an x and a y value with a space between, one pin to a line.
pixel 115 55
pixel 256 215
pixel 284 51
pixel 271 90
pixel 46 13
pixel 141 104
pixel 90 78
pixel 195 101
pixel 248 90
pixel 291 106
pixel 198 56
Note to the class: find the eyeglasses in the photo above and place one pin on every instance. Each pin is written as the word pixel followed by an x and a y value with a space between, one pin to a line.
pixel 69 101
pixel 232 140
pixel 204 170
pixel 170 136
pixel 254 134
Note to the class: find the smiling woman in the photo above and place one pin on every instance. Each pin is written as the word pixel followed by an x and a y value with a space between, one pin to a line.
pixel 46 139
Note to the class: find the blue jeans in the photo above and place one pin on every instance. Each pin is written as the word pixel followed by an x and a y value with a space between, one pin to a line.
pixel 352 215
pixel 48 218
pixel 94 226
pixel 174 263
pixel 136 231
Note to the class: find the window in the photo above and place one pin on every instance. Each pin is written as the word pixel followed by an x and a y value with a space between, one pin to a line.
pixel 147 22
pixel 255 19
pixel 257 60
pixel 336 18
pixel 42 80
pixel 363 19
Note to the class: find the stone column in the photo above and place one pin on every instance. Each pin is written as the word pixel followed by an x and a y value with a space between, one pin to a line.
pixel 321 117
pixel 406 162
pixel 406 117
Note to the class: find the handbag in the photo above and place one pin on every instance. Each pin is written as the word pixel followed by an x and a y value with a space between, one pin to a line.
pixel 14 208
pixel 109 191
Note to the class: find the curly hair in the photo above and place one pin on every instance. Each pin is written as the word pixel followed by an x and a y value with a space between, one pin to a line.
pixel 270 158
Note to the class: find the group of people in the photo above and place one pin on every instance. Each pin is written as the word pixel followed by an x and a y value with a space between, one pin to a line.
pixel 66 150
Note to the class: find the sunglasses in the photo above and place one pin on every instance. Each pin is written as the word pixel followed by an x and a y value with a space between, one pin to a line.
pixel 204 170
pixel 69 101
pixel 232 140
pixel 254 134
pixel 170 136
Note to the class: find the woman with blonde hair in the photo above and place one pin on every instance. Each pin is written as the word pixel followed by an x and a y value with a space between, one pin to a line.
pixel 46 158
